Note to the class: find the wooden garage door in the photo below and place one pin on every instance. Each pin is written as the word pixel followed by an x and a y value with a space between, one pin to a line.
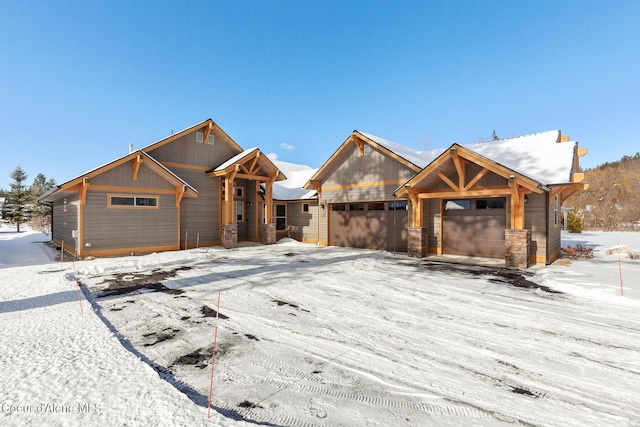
pixel 474 227
pixel 370 225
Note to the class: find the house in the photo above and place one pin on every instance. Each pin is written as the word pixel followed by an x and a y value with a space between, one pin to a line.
pixel 198 187
pixel 172 195
pixel 498 199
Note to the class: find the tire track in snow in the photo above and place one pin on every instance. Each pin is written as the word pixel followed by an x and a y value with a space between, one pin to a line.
pixel 385 402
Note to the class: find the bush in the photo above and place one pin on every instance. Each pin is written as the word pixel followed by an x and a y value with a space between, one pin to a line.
pixel 575 220
pixel 577 252
pixel 41 223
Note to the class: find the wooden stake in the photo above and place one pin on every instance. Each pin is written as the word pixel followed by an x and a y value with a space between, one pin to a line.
pixel 186 235
pixel 620 269
pixel 213 357
pixel 75 277
pixel 197 240
pixel 61 254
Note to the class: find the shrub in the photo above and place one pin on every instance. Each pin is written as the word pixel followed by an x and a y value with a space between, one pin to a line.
pixel 575 220
pixel 577 252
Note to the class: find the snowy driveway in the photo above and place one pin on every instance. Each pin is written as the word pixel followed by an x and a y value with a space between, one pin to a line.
pixel 330 336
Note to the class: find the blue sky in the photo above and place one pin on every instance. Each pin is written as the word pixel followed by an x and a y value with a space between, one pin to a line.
pixel 80 80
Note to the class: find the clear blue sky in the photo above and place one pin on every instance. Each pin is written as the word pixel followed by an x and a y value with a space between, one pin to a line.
pixel 80 80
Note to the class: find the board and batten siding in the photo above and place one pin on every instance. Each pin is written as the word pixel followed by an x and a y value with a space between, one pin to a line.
pixel 118 230
pixel 187 151
pixel 64 223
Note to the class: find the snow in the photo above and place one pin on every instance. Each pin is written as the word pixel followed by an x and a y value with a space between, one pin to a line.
pixel 292 187
pixel 236 159
pixel 537 156
pixel 312 335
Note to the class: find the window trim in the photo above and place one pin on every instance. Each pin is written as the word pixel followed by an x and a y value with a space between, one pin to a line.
pixel 302 206
pixel 134 196
pixel 276 216
pixel 243 217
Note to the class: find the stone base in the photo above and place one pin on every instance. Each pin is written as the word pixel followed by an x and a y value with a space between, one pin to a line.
pixel 268 234
pixel 229 236
pixel 418 242
pixel 516 248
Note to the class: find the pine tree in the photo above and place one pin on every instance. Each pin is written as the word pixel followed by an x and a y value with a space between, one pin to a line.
pixel 575 221
pixel 18 197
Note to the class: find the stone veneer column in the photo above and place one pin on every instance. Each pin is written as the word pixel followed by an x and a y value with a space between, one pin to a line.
pixel 268 234
pixel 229 236
pixel 516 248
pixel 418 242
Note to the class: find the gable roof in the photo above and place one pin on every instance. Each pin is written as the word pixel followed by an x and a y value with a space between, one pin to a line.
pixel 260 162
pixel 155 165
pixel 205 125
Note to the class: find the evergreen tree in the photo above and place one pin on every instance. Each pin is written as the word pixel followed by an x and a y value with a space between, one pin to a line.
pixel 18 197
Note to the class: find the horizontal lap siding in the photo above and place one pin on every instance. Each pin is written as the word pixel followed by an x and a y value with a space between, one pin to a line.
pixel 307 222
pixel 535 220
pixel 122 176
pixel 117 228
pixel 65 223
pixel 201 215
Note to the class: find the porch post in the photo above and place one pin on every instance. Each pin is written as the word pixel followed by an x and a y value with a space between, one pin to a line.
pixel 417 235
pixel 269 227
pixel 229 238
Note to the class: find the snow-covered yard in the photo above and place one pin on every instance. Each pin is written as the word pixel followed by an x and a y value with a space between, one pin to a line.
pixel 320 336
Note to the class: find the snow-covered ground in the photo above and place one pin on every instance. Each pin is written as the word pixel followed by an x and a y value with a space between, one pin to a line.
pixel 320 336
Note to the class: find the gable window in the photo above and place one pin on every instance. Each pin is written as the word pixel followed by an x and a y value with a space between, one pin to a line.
pixel 281 217
pixel 305 207
pixel 211 140
pixel 199 137
pixel 121 201
pixel 366 151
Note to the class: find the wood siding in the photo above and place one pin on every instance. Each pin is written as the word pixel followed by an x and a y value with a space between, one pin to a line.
pixel 371 168
pixel 108 230
pixel 535 220
pixel 307 222
pixel 65 223
pixel 122 176
pixel 186 151
pixel 199 215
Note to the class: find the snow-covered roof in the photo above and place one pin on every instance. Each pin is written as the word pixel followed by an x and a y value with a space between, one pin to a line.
pixel 292 187
pixel 235 159
pixel 538 156
pixel 418 158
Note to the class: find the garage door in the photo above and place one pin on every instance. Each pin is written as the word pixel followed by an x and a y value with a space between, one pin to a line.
pixel 370 225
pixel 474 227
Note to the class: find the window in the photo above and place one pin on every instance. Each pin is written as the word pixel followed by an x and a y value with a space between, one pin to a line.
pixel 339 207
pixel 556 211
pixel 240 192
pixel 366 151
pixel 305 207
pixel 398 206
pixel 378 206
pixel 356 206
pixel 457 205
pixel 239 211
pixel 497 203
pixel 211 140
pixel 281 217
pixel 133 201
pixel 199 137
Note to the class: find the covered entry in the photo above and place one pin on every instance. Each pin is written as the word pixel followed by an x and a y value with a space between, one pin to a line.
pixel 474 227
pixel 371 225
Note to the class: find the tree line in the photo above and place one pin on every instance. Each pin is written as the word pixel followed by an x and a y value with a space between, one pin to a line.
pixel 21 201
pixel 612 201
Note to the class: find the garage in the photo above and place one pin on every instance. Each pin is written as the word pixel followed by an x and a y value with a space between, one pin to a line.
pixel 369 225
pixel 474 227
